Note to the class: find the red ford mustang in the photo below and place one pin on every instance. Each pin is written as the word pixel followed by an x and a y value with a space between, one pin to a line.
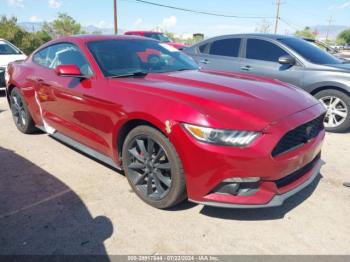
pixel 220 139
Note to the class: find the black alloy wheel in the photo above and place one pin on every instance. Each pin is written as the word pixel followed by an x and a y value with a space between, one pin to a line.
pixel 20 113
pixel 153 167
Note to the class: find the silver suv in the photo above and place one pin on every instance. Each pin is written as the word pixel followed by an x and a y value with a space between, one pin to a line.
pixel 289 59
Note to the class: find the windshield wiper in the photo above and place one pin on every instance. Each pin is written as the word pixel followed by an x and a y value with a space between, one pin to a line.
pixel 133 74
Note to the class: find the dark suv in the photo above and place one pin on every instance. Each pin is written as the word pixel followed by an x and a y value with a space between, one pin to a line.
pixel 289 59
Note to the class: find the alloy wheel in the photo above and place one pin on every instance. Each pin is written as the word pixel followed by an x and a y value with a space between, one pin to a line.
pixel 149 168
pixel 18 110
pixel 337 111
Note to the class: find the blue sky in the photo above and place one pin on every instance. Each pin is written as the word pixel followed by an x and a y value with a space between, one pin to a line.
pixel 132 15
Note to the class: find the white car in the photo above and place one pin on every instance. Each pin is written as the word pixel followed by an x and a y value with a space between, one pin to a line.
pixel 8 53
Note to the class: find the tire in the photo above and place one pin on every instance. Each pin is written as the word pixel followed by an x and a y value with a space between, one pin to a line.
pixel 336 102
pixel 20 113
pixel 160 183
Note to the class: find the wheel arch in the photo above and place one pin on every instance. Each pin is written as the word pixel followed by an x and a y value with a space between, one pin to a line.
pixel 329 87
pixel 8 93
pixel 129 125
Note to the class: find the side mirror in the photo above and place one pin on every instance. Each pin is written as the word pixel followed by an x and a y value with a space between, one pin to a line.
pixel 287 60
pixel 69 71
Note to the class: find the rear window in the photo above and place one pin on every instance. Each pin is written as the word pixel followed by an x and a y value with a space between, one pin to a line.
pixel 226 47
pixel 263 50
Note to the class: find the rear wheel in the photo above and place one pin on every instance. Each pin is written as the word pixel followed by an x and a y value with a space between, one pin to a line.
pixel 20 113
pixel 153 167
pixel 338 106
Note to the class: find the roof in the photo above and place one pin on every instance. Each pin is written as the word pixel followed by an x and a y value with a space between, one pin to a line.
pixel 271 36
pixel 81 39
pixel 143 31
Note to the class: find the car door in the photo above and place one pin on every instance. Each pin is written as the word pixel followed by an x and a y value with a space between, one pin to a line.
pixel 221 54
pixel 261 58
pixel 67 103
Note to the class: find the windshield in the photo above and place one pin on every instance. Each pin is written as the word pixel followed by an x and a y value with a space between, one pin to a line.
pixel 124 57
pixel 323 46
pixel 310 52
pixel 158 36
pixel 6 49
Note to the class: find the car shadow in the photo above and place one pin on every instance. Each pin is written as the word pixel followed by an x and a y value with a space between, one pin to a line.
pixel 40 215
pixel 257 214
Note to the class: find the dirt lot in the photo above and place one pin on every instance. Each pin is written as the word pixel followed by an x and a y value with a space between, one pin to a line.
pixel 54 200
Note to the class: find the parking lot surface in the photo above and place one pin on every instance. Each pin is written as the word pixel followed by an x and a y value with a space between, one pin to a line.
pixel 54 200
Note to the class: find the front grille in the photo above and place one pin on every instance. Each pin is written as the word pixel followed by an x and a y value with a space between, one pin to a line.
pixel 2 77
pixel 284 181
pixel 299 136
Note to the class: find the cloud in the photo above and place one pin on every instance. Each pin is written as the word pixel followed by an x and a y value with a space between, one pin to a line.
pixel 16 3
pixel 55 4
pixel 340 6
pixel 168 22
pixel 34 18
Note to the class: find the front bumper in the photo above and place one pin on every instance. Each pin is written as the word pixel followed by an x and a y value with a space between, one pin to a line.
pixel 207 166
pixel 277 200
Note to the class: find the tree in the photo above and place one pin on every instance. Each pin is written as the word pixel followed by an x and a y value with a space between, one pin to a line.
pixel 10 31
pixel 264 27
pixel 24 40
pixel 344 37
pixel 306 33
pixel 64 25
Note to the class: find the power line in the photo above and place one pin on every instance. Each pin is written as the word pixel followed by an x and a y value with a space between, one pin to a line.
pixel 200 12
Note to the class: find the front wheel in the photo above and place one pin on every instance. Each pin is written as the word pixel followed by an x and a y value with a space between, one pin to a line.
pixel 153 167
pixel 337 103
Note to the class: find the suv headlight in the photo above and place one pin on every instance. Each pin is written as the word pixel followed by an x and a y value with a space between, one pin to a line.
pixel 222 136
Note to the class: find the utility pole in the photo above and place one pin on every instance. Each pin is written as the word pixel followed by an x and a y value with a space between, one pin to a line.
pixel 278 4
pixel 330 20
pixel 115 17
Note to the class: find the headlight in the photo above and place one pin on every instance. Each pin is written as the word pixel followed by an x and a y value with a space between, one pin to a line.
pixel 222 136
pixel 7 76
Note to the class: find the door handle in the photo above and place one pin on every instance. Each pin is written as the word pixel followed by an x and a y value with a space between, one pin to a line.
pixel 246 68
pixel 204 61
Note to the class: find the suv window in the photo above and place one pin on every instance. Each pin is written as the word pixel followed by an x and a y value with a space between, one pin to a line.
pixel 63 54
pixel 6 49
pixel 203 48
pixel 263 50
pixel 226 47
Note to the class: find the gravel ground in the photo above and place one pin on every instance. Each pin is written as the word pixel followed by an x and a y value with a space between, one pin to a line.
pixel 54 200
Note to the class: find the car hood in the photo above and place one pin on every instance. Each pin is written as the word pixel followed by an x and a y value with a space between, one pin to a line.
pixel 6 59
pixel 225 97
pixel 342 56
pixel 339 67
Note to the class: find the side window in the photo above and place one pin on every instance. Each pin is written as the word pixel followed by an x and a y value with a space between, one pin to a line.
pixel 226 47
pixel 263 50
pixel 64 54
pixel 203 48
pixel 41 57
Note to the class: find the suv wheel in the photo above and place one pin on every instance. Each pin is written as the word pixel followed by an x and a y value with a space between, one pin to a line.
pixel 153 167
pixel 338 105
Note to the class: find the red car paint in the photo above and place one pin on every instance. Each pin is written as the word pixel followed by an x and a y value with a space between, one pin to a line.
pixel 94 112
pixel 144 34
